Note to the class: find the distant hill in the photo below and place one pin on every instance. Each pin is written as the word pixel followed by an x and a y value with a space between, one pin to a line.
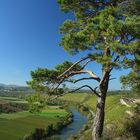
pixel 5 85
pixel 2 85
pixel 14 88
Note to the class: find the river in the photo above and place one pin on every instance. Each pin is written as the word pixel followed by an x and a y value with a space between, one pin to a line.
pixel 78 121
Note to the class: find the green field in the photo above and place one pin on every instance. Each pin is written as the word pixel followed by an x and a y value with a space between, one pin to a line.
pixel 13 99
pixel 14 126
pixel 17 128
pixel 53 112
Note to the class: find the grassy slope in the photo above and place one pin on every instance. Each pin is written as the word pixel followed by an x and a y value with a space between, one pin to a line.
pixel 115 112
pixel 75 97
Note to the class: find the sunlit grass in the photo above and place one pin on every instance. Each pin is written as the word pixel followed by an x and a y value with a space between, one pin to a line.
pixel 16 125
pixel 15 115
pixel 17 128
pixel 115 113
pixel 75 97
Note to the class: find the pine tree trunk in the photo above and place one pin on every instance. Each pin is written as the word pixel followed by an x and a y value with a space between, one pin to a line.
pixel 99 118
pixel 100 109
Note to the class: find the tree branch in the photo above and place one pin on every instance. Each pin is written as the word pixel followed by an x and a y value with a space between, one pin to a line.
pixel 60 82
pixel 84 65
pixel 76 63
pixel 94 76
pixel 72 91
pixel 93 90
pixel 115 60
pixel 112 78
pixel 88 78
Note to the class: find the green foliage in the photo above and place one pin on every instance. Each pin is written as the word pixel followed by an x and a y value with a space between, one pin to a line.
pixel 101 25
pixel 45 80
pixel 12 105
pixel 130 7
pixel 109 29
pixel 132 80
pixel 36 102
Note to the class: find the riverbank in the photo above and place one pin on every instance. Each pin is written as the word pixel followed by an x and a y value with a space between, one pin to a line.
pixel 51 129
pixel 72 129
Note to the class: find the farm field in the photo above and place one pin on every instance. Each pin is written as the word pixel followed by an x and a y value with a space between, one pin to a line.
pixel 17 128
pixel 14 126
pixel 13 99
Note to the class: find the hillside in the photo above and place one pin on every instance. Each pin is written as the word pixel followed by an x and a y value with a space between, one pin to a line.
pixel 119 117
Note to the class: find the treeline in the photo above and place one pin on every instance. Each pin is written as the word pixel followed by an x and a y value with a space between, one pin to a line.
pixel 6 108
pixel 21 106
pixel 12 107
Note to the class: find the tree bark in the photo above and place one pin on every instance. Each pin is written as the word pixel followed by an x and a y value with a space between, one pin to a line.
pixel 99 118
pixel 98 123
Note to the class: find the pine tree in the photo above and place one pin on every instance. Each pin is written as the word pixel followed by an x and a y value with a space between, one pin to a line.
pixel 110 30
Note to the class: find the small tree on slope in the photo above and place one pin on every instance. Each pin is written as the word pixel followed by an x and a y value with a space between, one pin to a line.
pixel 110 30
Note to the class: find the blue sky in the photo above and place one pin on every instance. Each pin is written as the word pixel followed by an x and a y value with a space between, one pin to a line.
pixel 29 38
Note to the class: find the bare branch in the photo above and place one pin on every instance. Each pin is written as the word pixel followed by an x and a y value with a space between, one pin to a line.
pixel 76 63
pixel 86 78
pixel 60 95
pixel 93 90
pixel 86 64
pixel 115 60
pixel 60 82
pixel 94 76
pixel 112 78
